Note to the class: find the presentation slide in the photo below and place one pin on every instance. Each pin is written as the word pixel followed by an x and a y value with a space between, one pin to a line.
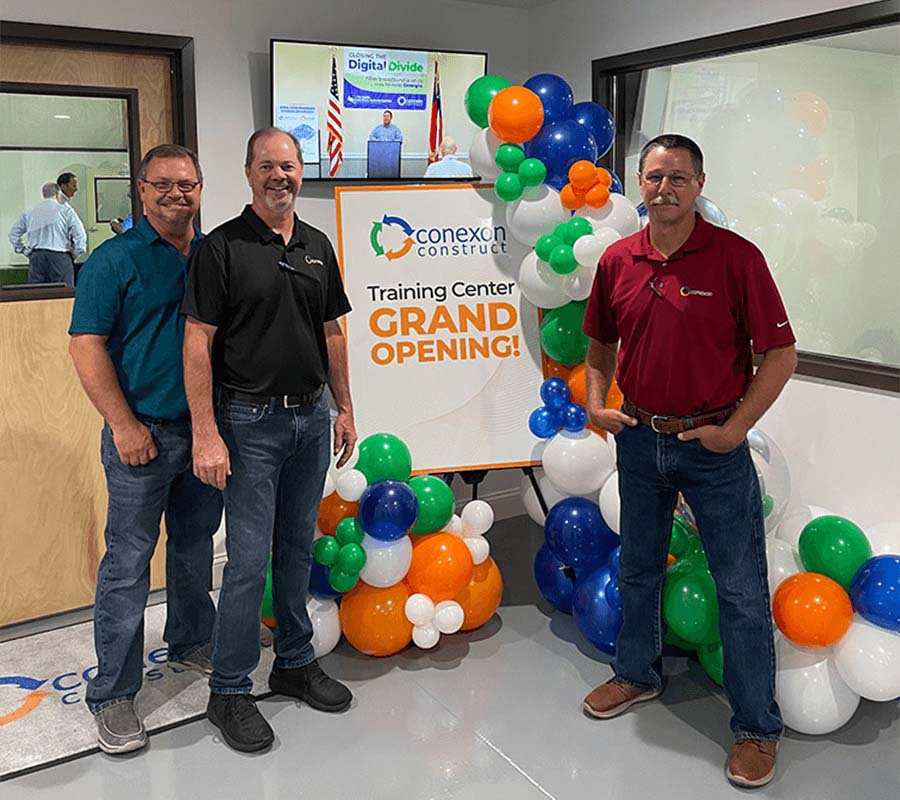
pixel 373 112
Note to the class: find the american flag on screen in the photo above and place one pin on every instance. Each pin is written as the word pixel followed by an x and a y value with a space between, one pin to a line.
pixel 436 131
pixel 335 129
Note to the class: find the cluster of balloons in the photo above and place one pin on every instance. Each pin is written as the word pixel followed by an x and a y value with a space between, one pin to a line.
pixel 518 172
pixel 558 411
pixel 587 185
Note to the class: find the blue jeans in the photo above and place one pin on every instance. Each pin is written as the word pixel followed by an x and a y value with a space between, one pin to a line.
pixel 723 492
pixel 138 498
pixel 279 459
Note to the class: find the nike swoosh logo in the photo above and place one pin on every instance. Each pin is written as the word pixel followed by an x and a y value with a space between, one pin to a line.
pixel 781 324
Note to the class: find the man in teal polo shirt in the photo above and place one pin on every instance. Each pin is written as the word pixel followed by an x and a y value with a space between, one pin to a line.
pixel 126 345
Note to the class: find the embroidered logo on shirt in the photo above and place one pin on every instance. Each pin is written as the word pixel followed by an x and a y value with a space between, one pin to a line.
pixel 311 260
pixel 686 290
pixel 781 324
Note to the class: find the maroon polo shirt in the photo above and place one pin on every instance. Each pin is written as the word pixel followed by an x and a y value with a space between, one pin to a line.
pixel 688 324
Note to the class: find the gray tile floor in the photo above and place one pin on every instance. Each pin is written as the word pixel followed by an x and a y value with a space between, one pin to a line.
pixel 491 714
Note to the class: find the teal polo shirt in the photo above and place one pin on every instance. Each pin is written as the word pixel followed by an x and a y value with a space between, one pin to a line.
pixel 130 290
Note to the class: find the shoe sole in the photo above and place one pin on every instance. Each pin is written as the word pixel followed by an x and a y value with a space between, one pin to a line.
pixel 748 784
pixel 620 709
pixel 240 746
pixel 117 750
pixel 332 709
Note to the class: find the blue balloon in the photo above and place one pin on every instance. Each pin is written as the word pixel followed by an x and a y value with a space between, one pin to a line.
pixel 574 418
pixel 598 122
pixel 596 619
pixel 613 595
pixel 616 186
pixel 318 582
pixel 555 393
pixel 544 423
pixel 613 562
pixel 577 534
pixel 555 580
pixel 387 510
pixel 559 145
pixel 642 210
pixel 875 592
pixel 556 96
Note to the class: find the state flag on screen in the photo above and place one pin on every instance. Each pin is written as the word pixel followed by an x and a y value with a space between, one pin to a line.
pixel 436 131
pixel 335 129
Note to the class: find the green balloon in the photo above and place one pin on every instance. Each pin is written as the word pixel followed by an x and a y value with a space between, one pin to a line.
pixel 673 639
pixel 384 457
pixel 680 541
pixel 576 228
pixel 532 172
pixel 479 95
pixel 267 610
pixel 349 531
pixel 561 336
pixel 834 546
pixel 768 504
pixel 351 558
pixel 326 550
pixel 508 187
pixel 545 245
pixel 711 660
pixel 560 232
pixel 690 607
pixel 562 259
pixel 509 156
pixel 342 581
pixel 436 503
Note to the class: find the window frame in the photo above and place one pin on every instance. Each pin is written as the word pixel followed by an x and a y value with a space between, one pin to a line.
pixel 615 83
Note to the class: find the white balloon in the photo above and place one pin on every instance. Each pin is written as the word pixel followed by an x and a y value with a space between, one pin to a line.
pixel 326 624
pixel 386 564
pixel 479 548
pixel 793 522
pixel 578 463
pixel 610 508
pixel 884 538
pixel 477 518
pixel 588 250
pixel 419 609
pixel 578 284
pixel 799 209
pixel 328 488
pixel 619 213
pixel 551 495
pixel 482 153
pixel 455 526
pixel 538 212
pixel 783 561
pixel 813 697
pixel 540 285
pixel 426 636
pixel 711 212
pixel 448 616
pixel 868 658
pixel 350 485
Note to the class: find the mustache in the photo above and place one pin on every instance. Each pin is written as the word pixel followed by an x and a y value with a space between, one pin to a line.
pixel 664 200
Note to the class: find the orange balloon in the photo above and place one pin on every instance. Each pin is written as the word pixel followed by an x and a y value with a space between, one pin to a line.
pixel 577 385
pixel 670 559
pixel 374 620
pixel 812 610
pixel 602 177
pixel 332 510
pixel 441 566
pixel 615 398
pixel 583 175
pixel 597 197
pixel 571 197
pixel 516 114
pixel 553 369
pixel 481 598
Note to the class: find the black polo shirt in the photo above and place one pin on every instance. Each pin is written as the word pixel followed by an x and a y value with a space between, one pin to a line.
pixel 269 302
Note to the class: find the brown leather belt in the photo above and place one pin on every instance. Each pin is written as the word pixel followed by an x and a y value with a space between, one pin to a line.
pixel 665 424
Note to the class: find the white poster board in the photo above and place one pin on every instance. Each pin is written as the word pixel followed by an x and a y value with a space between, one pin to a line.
pixel 303 122
pixel 443 350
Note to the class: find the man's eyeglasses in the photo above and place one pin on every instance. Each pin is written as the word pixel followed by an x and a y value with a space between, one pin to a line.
pixel 164 187
pixel 678 179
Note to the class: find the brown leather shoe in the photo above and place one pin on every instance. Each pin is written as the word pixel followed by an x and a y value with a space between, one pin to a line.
pixel 615 697
pixel 752 763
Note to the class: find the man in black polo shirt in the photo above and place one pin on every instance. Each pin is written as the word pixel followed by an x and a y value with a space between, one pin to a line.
pixel 262 304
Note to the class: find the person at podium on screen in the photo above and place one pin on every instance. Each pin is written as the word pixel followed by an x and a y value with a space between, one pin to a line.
pixel 449 165
pixel 386 131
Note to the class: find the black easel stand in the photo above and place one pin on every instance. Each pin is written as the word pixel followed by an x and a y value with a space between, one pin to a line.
pixel 474 477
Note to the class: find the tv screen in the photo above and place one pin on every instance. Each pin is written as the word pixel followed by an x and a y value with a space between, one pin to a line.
pixel 375 113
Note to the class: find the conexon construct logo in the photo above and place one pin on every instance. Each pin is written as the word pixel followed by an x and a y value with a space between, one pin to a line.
pixel 29 701
pixel 434 242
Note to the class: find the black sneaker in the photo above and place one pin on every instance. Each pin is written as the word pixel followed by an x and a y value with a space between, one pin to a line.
pixel 311 685
pixel 239 722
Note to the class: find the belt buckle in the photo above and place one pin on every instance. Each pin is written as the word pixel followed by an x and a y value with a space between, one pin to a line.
pixel 286 404
pixel 655 417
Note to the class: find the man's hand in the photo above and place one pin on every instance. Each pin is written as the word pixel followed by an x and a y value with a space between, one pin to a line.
pixel 610 419
pixel 135 444
pixel 344 437
pixel 212 463
pixel 717 438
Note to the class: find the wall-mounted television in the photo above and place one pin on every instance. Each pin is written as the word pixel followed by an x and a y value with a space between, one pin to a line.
pixel 375 113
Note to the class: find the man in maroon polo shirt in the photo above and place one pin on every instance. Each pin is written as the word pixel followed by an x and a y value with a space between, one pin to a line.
pixel 675 314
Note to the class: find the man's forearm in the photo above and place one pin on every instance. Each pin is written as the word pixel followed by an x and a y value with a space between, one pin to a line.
pixel 774 372
pixel 198 378
pixel 338 373
pixel 599 371
pixel 98 377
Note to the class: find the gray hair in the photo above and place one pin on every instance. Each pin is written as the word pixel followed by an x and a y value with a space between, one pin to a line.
pixel 168 151
pixel 49 190
pixel 673 141
pixel 269 131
